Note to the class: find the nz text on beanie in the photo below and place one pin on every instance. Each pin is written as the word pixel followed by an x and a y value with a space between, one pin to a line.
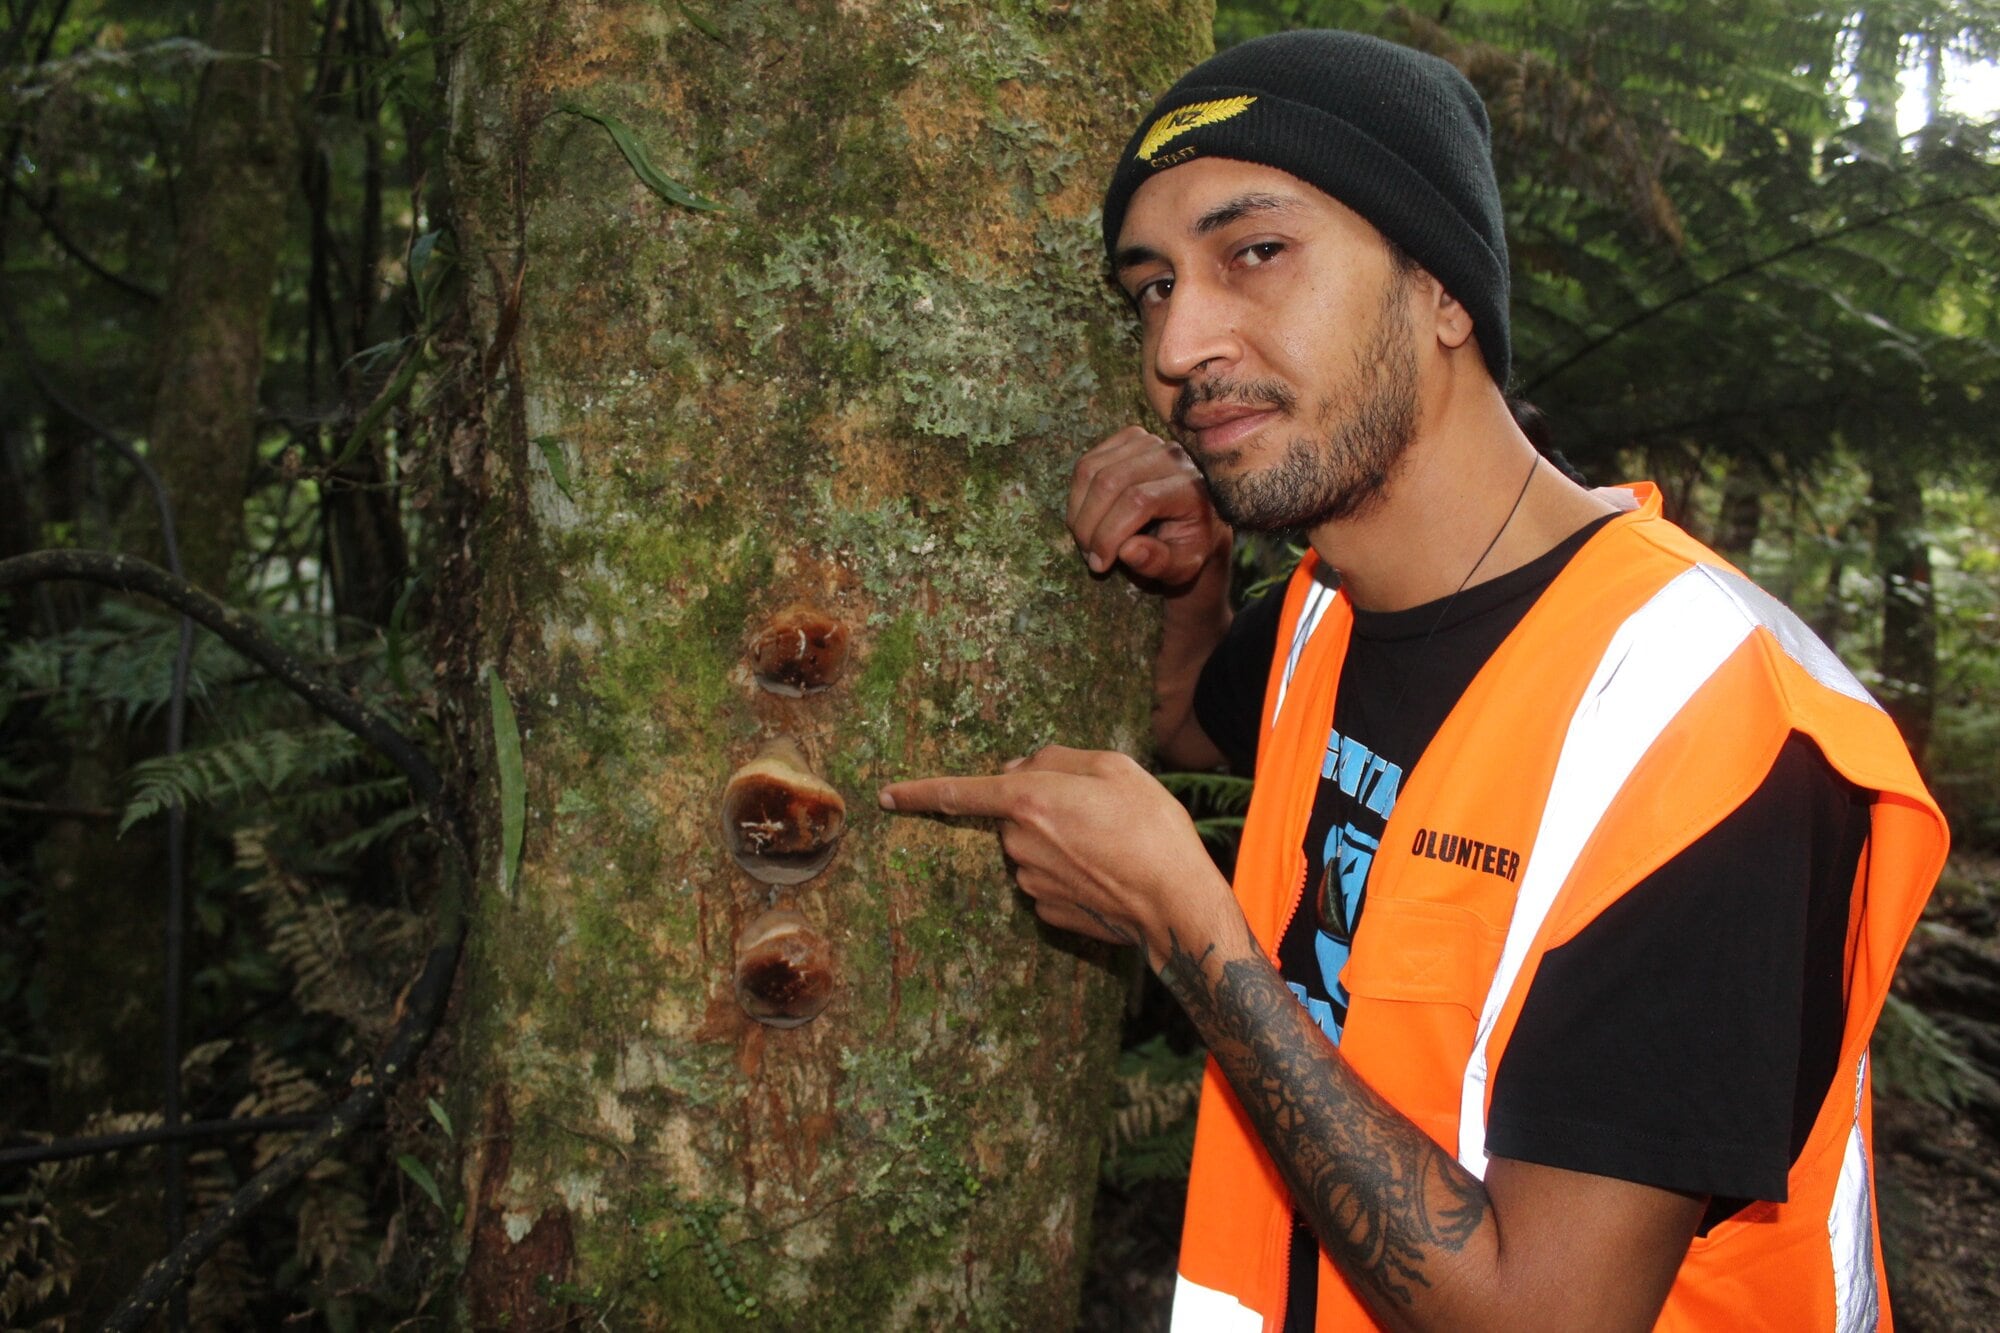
pixel 1398 136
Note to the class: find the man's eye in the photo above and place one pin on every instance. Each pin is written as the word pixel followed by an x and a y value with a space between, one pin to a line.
pixel 1253 255
pixel 1152 293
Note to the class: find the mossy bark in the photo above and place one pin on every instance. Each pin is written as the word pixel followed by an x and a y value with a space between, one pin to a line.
pixel 859 386
pixel 242 168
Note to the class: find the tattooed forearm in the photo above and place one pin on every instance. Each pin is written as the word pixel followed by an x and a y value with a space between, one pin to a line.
pixel 1386 1201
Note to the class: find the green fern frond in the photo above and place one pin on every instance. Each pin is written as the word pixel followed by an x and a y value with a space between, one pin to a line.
pixel 1223 793
pixel 341 956
pixel 121 661
pixel 1221 831
pixel 229 771
pixel 315 803
pixel 1216 801
pixel 1165 1156
pixel 1218 791
pixel 1152 1124
pixel 344 849
pixel 1916 1057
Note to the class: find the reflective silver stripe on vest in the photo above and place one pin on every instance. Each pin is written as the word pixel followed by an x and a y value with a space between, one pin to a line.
pixel 1792 634
pixel 1850 1230
pixel 1318 598
pixel 1199 1309
pixel 1657 659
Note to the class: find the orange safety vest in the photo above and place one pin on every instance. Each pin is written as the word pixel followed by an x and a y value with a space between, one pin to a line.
pixel 1641 699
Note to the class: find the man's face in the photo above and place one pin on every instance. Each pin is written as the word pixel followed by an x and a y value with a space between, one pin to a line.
pixel 1278 340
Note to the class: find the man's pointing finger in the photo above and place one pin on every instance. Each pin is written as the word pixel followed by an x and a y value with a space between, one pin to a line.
pixel 949 796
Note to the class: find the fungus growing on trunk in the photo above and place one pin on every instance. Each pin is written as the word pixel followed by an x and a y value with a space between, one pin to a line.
pixel 784 969
pixel 800 651
pixel 781 821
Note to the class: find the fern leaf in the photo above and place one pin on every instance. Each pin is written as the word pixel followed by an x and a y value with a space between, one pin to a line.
pixel 1223 793
pixel 230 771
pixel 1918 1058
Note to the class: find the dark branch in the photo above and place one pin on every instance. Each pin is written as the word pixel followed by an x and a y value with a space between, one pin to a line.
pixel 46 212
pixel 57 811
pixel 62 1150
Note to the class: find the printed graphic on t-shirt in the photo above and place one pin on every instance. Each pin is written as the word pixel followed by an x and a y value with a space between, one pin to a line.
pixel 1349 853
pixel 1358 790
pixel 1362 774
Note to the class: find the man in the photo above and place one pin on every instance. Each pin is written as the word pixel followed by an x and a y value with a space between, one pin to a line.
pixel 1576 868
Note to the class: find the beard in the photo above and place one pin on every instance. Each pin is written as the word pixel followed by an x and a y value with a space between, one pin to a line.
pixel 1341 465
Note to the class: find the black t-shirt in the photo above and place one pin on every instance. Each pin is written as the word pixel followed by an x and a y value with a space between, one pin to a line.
pixel 1685 1038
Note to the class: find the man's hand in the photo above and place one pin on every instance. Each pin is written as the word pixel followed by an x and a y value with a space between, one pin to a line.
pixel 1100 846
pixel 1137 500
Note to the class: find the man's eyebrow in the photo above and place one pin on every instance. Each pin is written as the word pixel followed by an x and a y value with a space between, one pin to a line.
pixel 1132 256
pixel 1242 206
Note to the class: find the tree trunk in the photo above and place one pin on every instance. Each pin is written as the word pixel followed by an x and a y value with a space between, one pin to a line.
pixel 364 548
pixel 240 176
pixel 1742 511
pixel 1909 602
pixel 1908 659
pixel 104 926
pixel 104 911
pixel 860 387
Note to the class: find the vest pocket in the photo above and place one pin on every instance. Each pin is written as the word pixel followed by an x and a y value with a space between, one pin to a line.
pixel 1424 953
pixel 1415 986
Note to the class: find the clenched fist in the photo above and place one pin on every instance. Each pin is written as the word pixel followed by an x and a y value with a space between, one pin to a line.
pixel 1137 500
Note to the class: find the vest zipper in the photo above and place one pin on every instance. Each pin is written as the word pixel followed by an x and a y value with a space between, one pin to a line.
pixel 1291 1208
pixel 1285 1273
pixel 1298 864
pixel 1298 896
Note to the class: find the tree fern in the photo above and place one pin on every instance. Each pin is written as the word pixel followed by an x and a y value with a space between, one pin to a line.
pixel 1221 793
pixel 342 957
pixel 1916 1057
pixel 37 1265
pixel 227 772
pixel 121 661
pixel 1153 1109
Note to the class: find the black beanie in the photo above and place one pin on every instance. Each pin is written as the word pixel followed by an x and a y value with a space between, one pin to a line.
pixel 1398 136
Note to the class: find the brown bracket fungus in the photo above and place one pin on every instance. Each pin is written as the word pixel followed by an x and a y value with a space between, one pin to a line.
pixel 780 820
pixel 801 651
pixel 784 969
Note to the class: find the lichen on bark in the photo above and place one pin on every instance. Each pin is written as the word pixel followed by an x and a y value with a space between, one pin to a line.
pixel 860 387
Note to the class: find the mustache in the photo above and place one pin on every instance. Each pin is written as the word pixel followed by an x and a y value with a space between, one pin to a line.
pixel 1249 393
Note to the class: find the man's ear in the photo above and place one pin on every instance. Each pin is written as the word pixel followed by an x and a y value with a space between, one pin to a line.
pixel 1451 321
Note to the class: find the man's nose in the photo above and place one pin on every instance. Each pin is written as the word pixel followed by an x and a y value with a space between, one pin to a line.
pixel 1199 327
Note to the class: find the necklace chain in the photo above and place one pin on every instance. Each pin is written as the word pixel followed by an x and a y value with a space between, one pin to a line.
pixel 1445 610
pixel 1505 524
